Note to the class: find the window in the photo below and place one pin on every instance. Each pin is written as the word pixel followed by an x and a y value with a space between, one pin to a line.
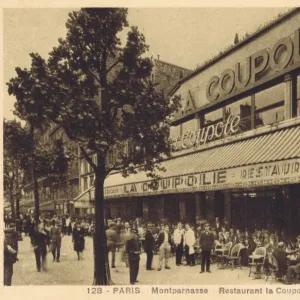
pixel 92 180
pixel 240 108
pixel 269 105
pixel 213 117
pixel 110 157
pixel 85 166
pixel 85 184
pixel 95 159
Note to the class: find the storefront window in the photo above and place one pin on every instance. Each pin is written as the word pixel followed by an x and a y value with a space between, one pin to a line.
pixel 241 108
pixel 269 105
pixel 213 117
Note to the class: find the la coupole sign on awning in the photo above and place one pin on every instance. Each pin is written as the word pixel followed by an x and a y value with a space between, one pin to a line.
pixel 263 174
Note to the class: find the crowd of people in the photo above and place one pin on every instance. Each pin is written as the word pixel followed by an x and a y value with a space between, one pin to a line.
pixel 190 244
pixel 201 242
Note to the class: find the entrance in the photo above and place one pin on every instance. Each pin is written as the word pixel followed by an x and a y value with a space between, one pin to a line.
pixel 257 209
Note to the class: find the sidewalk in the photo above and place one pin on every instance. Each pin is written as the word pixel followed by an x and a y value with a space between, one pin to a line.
pixel 70 271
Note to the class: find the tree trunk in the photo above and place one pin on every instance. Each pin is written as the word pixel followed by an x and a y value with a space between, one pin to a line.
pixel 18 193
pixel 101 263
pixel 35 182
pixel 12 199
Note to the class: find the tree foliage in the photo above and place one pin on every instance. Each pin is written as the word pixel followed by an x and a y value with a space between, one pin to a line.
pixel 102 96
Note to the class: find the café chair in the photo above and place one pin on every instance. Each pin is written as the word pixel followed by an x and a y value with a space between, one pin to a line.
pixel 257 259
pixel 234 259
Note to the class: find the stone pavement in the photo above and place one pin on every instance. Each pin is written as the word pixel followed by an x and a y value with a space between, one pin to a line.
pixel 70 271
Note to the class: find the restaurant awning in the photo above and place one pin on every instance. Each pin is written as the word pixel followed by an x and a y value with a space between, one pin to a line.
pixel 269 159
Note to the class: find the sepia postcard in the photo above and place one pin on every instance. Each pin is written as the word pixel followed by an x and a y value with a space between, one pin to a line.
pixel 150 151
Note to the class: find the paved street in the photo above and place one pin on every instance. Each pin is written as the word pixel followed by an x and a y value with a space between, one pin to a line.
pixel 70 271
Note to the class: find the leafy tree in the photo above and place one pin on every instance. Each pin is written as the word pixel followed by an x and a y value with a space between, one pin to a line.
pixel 26 88
pixel 102 96
pixel 42 158
pixel 15 147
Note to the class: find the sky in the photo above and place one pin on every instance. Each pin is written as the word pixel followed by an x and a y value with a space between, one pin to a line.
pixel 183 36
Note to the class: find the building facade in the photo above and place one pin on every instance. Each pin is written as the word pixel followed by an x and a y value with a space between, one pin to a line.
pixel 55 198
pixel 236 140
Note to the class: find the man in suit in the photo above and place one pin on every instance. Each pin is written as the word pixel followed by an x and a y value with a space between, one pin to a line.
pixel 206 246
pixel 149 245
pixel 132 248
pixel 55 239
pixel 178 240
pixel 10 252
pixel 281 258
pixel 164 242
pixel 40 241
pixel 112 239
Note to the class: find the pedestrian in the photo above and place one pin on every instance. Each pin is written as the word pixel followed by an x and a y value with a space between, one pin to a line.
pixel 149 245
pixel 68 225
pixel 78 240
pixel 132 248
pixel 206 245
pixel 112 239
pixel 164 242
pixel 40 241
pixel 10 252
pixel 178 240
pixel 55 239
pixel 126 237
pixel 63 225
pixel 189 241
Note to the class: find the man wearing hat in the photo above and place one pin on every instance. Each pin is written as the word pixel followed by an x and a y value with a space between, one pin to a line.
pixel 206 246
pixel 55 238
pixel 133 250
pixel 149 246
pixel 10 252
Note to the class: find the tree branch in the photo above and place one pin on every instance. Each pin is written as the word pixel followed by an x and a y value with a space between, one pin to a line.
pixel 89 160
pixel 113 65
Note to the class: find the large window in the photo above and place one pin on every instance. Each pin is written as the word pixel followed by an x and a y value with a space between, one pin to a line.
pixel 213 117
pixel 240 108
pixel 269 105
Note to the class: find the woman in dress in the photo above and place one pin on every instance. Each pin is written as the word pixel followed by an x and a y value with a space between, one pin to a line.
pixel 78 240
